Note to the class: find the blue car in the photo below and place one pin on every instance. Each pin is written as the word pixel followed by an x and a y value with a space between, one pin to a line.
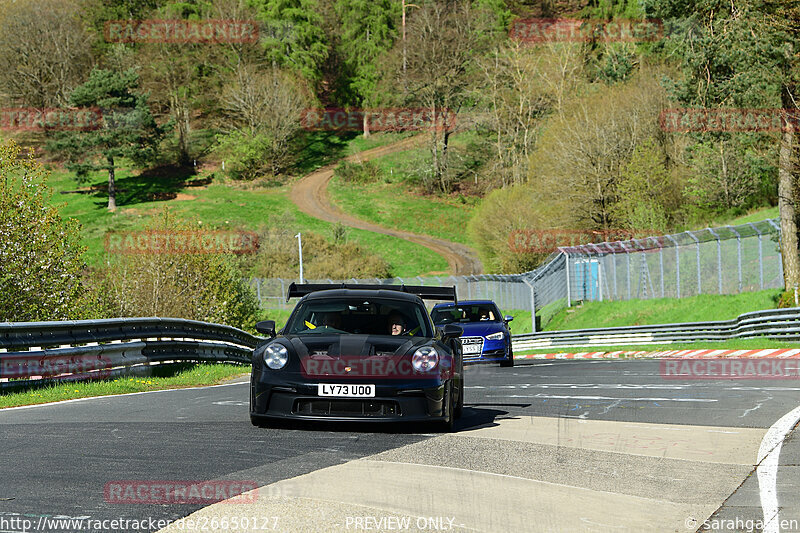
pixel 486 336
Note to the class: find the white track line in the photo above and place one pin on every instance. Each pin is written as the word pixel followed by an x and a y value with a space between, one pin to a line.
pixel 75 400
pixel 768 456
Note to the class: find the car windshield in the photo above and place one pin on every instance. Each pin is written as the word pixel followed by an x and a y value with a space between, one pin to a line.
pixel 367 316
pixel 465 313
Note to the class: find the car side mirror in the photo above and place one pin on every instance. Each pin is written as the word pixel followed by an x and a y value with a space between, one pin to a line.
pixel 509 318
pixel 267 327
pixel 451 331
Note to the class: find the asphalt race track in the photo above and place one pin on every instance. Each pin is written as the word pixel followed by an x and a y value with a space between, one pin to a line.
pixel 605 445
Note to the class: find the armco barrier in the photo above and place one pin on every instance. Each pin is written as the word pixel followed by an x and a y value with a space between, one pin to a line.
pixel 31 352
pixel 780 324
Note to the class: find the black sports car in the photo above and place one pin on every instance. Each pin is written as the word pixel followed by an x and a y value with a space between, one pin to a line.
pixel 359 352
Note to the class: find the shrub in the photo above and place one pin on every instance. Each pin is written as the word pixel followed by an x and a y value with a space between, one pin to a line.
pixel 41 264
pixel 207 287
pixel 366 172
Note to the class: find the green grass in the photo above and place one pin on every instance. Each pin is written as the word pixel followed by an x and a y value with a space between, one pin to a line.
pixel 214 206
pixel 393 205
pixel 662 311
pixel 320 148
pixel 396 201
pixel 755 216
pixel 735 344
pixel 187 375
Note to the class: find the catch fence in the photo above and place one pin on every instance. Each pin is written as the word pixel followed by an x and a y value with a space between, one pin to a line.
pixel 723 260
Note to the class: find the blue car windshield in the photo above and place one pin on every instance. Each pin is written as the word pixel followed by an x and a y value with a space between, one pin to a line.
pixel 366 316
pixel 465 313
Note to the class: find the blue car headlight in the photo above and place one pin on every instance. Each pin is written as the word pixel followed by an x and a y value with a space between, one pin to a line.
pixel 495 336
pixel 276 356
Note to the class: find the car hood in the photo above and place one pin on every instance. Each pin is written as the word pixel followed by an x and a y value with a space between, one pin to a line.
pixel 354 345
pixel 473 329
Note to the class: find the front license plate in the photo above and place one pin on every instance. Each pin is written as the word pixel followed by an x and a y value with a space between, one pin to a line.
pixel 469 349
pixel 346 391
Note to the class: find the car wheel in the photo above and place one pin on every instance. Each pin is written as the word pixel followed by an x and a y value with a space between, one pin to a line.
pixel 448 425
pixel 510 361
pixel 460 404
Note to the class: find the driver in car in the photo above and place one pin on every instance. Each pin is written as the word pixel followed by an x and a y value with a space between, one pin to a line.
pixel 397 324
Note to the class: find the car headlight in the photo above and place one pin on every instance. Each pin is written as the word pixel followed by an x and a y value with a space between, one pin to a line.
pixel 425 359
pixel 495 336
pixel 276 356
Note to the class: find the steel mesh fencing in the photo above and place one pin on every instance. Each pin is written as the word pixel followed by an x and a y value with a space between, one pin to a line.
pixel 725 260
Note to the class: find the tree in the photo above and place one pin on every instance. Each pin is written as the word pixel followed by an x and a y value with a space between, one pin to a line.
pixel 262 115
pixel 581 153
pixel 44 51
pixel 127 129
pixel 521 84
pixel 294 36
pixel 369 28
pixel 747 56
pixel 445 38
pixel 40 253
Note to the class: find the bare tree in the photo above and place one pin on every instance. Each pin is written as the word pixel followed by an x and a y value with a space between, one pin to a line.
pixel 444 38
pixel 44 52
pixel 582 153
pixel 266 103
pixel 522 83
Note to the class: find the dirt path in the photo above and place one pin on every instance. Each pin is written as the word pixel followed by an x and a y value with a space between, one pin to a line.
pixel 310 194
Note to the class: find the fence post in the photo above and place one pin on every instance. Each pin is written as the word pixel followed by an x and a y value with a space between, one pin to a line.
pixel 569 292
pixel 677 266
pixel 697 253
pixel 719 259
pixel 760 257
pixel 533 305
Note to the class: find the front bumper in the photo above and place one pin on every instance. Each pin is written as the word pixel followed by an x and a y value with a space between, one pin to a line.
pixel 492 352
pixel 295 397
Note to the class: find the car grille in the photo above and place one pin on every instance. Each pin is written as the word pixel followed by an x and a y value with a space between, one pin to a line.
pixel 473 345
pixel 348 407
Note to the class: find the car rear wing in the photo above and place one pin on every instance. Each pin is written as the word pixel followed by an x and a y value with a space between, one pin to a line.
pixel 424 292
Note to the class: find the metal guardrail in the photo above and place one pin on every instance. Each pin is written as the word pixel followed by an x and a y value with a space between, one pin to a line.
pixel 37 352
pixel 780 324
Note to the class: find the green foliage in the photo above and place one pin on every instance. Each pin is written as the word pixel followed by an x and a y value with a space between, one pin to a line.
pixel 41 265
pixel 366 172
pixel 296 38
pixel 644 192
pixel 495 221
pixel 247 155
pixel 207 287
pixel 369 28
pixel 128 128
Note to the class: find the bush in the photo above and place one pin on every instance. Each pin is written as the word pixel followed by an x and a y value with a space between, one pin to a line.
pixel 278 257
pixel 207 287
pixel 366 172
pixel 250 156
pixel 41 264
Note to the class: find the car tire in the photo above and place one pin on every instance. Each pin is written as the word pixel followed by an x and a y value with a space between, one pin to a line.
pixel 459 410
pixel 448 425
pixel 510 361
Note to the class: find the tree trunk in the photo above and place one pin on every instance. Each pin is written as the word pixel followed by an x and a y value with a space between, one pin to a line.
pixel 786 204
pixel 112 187
pixel 366 123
